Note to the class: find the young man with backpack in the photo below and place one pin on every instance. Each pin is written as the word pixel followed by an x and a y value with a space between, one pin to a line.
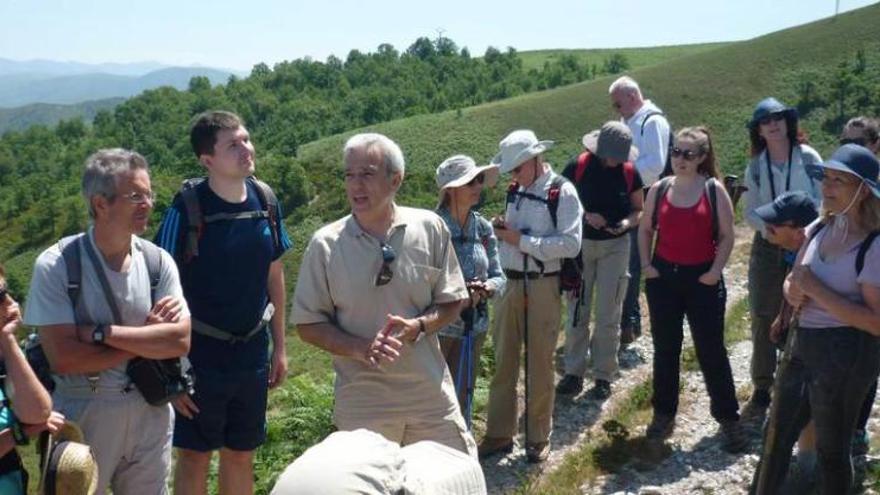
pixel 610 190
pixel 535 240
pixel 101 300
pixel 225 234
pixel 652 136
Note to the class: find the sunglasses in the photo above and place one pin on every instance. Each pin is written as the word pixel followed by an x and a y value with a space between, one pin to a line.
pixel 859 141
pixel 476 180
pixel 385 274
pixel 773 117
pixel 688 155
pixel 3 292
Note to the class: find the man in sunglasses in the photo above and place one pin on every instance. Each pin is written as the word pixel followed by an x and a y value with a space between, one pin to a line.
pixel 651 137
pixel 374 287
pixel 91 330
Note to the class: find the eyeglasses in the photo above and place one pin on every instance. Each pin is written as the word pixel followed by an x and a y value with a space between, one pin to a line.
pixel 688 155
pixel 773 229
pixel 859 141
pixel 773 117
pixel 476 180
pixel 385 274
pixel 138 198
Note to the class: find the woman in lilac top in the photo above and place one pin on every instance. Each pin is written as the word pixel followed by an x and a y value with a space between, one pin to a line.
pixel 835 353
pixel 461 182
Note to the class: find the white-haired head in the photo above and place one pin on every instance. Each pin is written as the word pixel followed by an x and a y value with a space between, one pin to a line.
pixel 627 84
pixel 370 142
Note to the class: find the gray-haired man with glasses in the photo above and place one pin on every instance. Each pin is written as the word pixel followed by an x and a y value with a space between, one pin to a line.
pixel 373 289
pixel 104 309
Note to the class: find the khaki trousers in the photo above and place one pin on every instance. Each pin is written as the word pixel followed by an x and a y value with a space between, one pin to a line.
pixel 507 333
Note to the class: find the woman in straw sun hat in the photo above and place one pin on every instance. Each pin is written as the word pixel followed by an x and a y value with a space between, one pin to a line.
pixel 461 184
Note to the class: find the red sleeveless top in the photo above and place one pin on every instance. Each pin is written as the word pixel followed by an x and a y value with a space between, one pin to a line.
pixel 684 235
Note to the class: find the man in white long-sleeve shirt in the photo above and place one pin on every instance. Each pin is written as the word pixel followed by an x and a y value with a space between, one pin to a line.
pixel 533 245
pixel 651 136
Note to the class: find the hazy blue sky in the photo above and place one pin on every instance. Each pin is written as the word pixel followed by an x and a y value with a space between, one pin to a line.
pixel 239 33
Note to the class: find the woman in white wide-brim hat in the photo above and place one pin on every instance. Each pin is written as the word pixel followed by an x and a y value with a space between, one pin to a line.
pixel 461 184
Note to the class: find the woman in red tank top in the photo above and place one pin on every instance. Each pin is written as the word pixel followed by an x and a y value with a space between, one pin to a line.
pixel 683 279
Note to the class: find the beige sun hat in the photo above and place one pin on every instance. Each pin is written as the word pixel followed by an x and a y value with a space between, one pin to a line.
pixel 69 466
pixel 517 147
pixel 459 170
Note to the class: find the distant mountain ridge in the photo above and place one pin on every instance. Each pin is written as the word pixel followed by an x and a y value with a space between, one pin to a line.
pixel 23 88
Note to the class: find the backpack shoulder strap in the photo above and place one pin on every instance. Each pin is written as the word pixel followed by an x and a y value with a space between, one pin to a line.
pixel 553 197
pixel 662 187
pixel 72 255
pixel 629 174
pixel 153 257
pixel 583 160
pixel 646 119
pixel 270 203
pixel 712 193
pixel 815 232
pixel 194 218
pixel 863 250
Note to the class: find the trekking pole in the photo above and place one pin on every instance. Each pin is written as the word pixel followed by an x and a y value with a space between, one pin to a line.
pixel 526 341
pixel 466 364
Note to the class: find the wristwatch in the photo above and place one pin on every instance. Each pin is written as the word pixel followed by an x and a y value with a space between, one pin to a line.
pixel 99 333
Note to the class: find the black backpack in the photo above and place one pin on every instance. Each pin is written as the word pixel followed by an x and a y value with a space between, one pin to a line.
pixel 159 380
pixel 196 220
pixel 571 269
pixel 710 187
pixel 863 247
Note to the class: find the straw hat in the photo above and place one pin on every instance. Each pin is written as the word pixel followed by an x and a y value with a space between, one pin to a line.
pixel 69 466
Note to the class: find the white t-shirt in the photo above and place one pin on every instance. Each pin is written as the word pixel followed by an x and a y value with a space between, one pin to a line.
pixel 48 302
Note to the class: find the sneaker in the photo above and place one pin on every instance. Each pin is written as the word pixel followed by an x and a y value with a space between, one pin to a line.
pixel 537 452
pixel 661 427
pixel 757 404
pixel 601 390
pixel 494 445
pixel 735 438
pixel 570 385
pixel 860 443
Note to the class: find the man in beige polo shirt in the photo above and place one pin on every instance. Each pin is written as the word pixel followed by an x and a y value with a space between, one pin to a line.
pixel 373 289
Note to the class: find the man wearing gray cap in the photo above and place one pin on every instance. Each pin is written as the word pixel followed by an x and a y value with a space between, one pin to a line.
pixel 541 226
pixel 610 189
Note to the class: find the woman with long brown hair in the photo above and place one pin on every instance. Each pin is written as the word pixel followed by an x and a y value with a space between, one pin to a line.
pixel 690 216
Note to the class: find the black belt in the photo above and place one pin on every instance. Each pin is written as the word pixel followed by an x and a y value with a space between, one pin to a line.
pixel 515 275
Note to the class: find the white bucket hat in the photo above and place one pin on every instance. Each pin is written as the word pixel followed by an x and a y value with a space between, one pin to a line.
pixel 458 170
pixel 518 147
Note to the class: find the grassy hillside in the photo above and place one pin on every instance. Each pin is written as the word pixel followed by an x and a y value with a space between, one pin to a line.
pixel 637 57
pixel 717 87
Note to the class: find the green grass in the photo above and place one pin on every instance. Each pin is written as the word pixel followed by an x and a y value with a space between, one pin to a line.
pixel 637 57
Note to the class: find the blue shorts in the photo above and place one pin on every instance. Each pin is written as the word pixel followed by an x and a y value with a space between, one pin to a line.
pixel 232 411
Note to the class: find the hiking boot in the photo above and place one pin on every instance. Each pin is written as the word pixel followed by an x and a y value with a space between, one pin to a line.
pixel 628 335
pixel 601 390
pixel 735 438
pixel 570 385
pixel 860 443
pixel 537 452
pixel 757 404
pixel 494 445
pixel 661 427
